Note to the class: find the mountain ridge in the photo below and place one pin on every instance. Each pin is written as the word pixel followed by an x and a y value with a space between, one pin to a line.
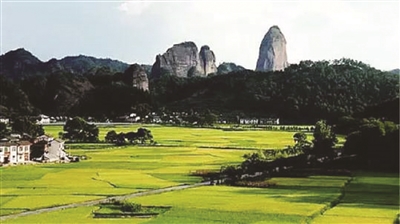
pixel 21 63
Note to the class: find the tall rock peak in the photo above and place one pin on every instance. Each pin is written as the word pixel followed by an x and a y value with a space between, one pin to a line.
pixel 207 61
pixel 272 55
pixel 185 60
pixel 136 76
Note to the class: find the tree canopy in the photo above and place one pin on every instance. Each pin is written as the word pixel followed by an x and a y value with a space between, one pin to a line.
pixel 78 130
pixel 27 125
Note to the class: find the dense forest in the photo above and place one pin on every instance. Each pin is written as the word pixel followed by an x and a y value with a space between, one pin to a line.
pixel 302 93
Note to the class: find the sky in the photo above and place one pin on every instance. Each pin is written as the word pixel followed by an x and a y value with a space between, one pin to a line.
pixel 136 31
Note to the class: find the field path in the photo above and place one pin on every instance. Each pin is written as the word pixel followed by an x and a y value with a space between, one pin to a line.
pixel 98 201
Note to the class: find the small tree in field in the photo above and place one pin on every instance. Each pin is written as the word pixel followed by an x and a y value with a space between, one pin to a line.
pixel 144 135
pixel 299 137
pixel 111 136
pixel 77 129
pixel 302 145
pixel 324 138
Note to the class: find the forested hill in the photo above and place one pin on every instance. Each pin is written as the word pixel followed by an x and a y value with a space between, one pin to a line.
pixel 303 93
pixel 20 63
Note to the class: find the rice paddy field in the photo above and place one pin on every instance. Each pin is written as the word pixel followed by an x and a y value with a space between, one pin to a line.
pixel 111 171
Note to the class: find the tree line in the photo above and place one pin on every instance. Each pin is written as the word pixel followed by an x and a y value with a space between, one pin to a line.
pixel 371 144
pixel 301 94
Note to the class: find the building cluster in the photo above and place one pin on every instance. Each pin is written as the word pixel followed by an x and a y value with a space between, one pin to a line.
pixel 259 121
pixel 177 118
pixel 22 149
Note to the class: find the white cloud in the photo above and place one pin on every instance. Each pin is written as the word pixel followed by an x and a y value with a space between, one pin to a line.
pixel 134 7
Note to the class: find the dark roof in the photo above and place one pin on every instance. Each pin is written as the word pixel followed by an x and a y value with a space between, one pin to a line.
pixel 15 143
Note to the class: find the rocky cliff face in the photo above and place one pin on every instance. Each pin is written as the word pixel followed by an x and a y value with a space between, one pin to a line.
pixel 207 61
pixel 136 76
pixel 184 60
pixel 272 56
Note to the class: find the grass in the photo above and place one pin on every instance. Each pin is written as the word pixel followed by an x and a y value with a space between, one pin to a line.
pixel 108 171
pixel 288 202
pixel 111 170
pixel 195 137
pixel 369 198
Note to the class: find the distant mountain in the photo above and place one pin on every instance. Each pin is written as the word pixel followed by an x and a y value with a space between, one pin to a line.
pixel 228 67
pixel 395 71
pixel 83 64
pixel 20 64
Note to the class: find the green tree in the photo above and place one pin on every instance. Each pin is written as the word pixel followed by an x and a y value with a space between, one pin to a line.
pixel 300 137
pixel 210 118
pixel 4 130
pixel 375 143
pixel 302 145
pixel 145 135
pixel 324 138
pixel 77 129
pixel 26 125
pixel 111 136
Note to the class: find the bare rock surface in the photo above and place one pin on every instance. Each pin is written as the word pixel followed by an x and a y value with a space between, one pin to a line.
pixel 272 55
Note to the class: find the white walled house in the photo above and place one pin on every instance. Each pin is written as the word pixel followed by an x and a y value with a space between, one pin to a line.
pixel 47 149
pixel 14 152
pixel 43 119
pixel 263 121
pixel 55 152
pixel 4 120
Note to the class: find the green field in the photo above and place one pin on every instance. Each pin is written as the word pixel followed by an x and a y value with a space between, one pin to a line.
pixel 111 171
pixel 202 137
pixel 370 198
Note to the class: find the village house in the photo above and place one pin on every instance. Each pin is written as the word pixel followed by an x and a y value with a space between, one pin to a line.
pixel 48 149
pixel 43 119
pixel 248 120
pixel 263 121
pixel 15 152
pixel 4 120
pixel 270 121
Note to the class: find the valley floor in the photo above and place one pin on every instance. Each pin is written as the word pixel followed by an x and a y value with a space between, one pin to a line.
pixel 115 171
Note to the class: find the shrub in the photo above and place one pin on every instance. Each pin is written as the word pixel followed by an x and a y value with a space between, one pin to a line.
pixel 130 207
pixel 259 184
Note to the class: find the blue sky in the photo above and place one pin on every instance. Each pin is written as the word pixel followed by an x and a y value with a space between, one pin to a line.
pixel 136 31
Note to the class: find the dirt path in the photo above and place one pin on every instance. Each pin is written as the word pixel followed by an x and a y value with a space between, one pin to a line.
pixel 98 201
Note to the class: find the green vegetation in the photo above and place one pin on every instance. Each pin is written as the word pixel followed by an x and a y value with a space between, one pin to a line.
pixel 121 209
pixel 180 154
pixel 26 125
pixel 112 170
pixel 142 136
pixel 78 130
pixel 301 94
pixel 370 198
pixel 375 143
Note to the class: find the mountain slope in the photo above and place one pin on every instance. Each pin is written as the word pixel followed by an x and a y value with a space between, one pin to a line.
pixel 20 64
